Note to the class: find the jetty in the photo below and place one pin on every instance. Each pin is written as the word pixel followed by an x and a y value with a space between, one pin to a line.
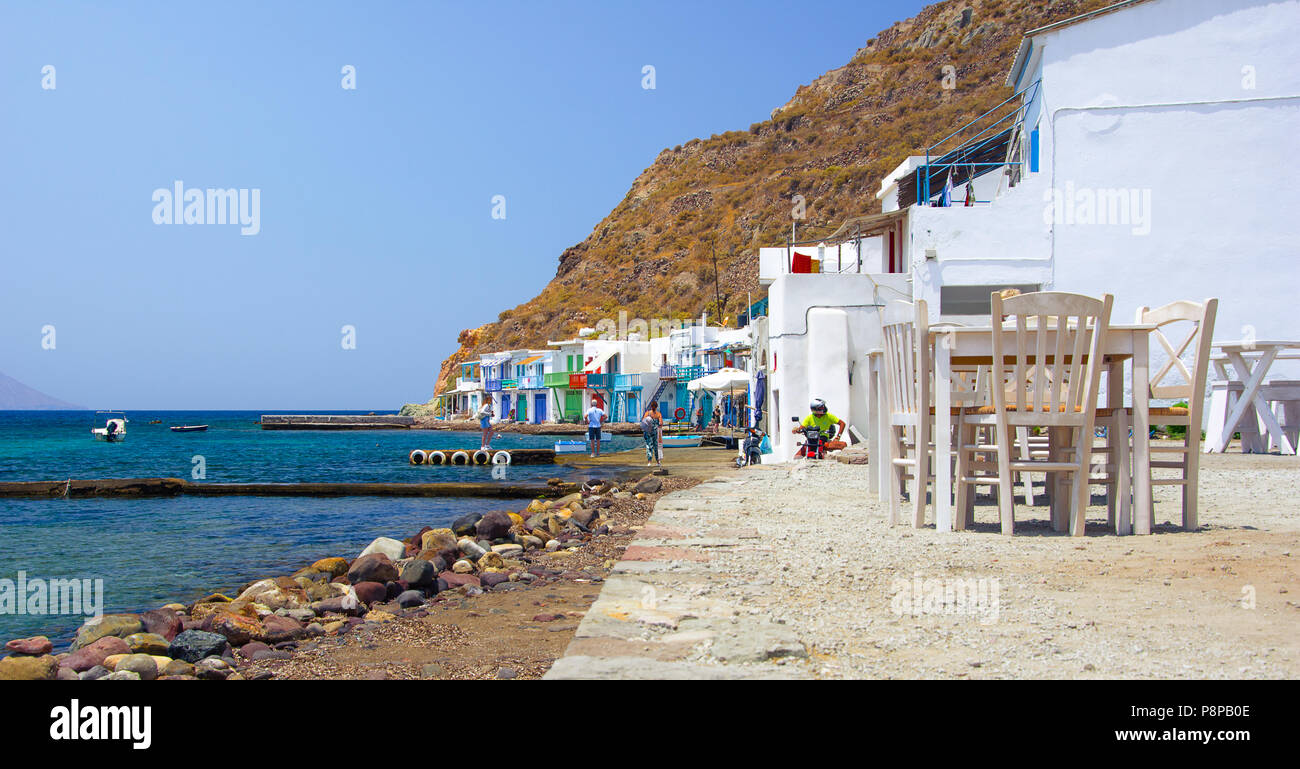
pixel 336 422
pixel 174 487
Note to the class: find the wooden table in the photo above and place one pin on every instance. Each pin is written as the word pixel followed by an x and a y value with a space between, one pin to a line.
pixel 1252 359
pixel 973 346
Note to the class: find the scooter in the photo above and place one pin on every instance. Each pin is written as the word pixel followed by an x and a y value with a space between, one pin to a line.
pixel 752 448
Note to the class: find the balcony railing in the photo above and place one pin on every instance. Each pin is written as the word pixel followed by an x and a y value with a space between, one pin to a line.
pixel 508 384
pixel 577 381
pixel 625 382
pixel 598 380
pixel 556 380
pixel 667 372
pixel 688 373
pixel 531 382
pixel 492 385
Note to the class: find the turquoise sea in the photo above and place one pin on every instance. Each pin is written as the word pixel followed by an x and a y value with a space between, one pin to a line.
pixel 153 551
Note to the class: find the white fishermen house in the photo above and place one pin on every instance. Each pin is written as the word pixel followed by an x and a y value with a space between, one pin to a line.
pixel 1144 155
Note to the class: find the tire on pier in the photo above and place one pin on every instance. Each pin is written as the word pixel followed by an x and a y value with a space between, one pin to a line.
pixel 501 458
pixel 459 458
pixel 418 457
pixel 437 458
pixel 482 457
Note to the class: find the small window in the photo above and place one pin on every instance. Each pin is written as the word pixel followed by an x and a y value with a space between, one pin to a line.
pixel 974 300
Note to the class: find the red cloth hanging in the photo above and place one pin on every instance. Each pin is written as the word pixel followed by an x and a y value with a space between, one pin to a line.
pixel 801 263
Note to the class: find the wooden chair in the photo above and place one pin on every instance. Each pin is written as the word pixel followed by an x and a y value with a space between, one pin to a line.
pixel 1050 379
pixel 1117 418
pixel 907 362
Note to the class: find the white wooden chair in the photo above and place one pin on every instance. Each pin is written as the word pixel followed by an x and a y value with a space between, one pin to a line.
pixel 907 361
pixel 1117 418
pixel 1050 379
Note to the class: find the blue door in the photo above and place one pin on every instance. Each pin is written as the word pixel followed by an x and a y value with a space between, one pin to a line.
pixel 505 406
pixel 539 408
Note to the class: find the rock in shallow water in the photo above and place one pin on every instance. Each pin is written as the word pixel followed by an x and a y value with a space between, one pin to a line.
pixel 35 646
pixel 118 625
pixel 147 643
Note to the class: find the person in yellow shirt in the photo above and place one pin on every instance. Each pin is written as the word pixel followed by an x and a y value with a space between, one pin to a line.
pixel 831 426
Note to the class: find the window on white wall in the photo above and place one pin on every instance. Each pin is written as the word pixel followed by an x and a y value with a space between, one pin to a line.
pixel 974 300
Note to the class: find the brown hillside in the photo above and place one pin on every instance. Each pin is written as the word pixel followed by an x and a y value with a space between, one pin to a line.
pixel 832 143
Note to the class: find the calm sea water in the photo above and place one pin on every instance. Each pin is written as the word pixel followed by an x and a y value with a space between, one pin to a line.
pixel 153 551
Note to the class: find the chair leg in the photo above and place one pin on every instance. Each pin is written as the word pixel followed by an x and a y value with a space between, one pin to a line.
pixel 1191 472
pixel 1082 495
pixel 1006 501
pixel 1057 481
pixel 895 478
pixel 922 473
pixel 962 470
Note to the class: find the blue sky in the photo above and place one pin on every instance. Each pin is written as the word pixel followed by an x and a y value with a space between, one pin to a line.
pixel 375 202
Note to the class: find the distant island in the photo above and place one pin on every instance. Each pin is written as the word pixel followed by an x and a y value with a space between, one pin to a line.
pixel 16 396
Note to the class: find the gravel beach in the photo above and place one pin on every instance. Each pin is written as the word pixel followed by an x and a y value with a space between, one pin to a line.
pixel 792 572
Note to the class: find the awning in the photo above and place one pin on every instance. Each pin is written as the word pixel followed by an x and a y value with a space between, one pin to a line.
pixel 495 358
pixel 600 359
pixel 722 380
pixel 526 361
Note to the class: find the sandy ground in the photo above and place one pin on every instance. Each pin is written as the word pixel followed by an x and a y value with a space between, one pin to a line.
pixel 824 588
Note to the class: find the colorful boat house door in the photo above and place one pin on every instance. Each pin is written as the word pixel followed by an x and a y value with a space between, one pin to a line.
pixel 539 408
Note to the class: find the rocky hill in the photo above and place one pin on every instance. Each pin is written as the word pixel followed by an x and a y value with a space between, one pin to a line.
pixel 831 143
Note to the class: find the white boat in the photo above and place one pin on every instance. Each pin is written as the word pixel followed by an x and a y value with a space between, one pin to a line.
pixel 682 441
pixel 114 429
pixel 570 447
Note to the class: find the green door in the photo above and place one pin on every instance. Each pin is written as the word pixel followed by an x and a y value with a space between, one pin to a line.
pixel 572 403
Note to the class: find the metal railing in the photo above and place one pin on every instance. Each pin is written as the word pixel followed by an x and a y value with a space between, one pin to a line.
pixel 962 157
pixel 531 382
pixel 626 382
pixel 492 385
pixel 560 379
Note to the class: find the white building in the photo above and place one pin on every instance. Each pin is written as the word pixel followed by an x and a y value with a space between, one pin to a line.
pixel 1144 154
pixel 1153 140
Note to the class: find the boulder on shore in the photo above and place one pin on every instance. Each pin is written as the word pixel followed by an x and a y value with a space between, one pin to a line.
pixel 375 567
pixel 95 653
pixel 494 524
pixel 194 645
pixel 21 667
pixel 118 625
pixel 165 622
pixel 390 547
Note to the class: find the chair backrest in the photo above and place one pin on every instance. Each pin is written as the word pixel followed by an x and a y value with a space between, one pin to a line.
pixel 1200 317
pixel 905 336
pixel 1056 364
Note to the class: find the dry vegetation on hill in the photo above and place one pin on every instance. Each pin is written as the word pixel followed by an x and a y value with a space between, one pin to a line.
pixel 832 143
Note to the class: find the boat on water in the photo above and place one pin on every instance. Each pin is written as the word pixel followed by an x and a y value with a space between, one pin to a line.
pixel 682 441
pixel 570 447
pixel 114 429
pixel 188 428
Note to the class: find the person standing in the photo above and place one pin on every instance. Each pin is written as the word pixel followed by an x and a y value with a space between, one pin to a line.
pixel 595 418
pixel 652 423
pixel 485 424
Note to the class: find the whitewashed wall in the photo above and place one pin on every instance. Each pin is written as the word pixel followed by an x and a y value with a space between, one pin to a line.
pixel 1190 105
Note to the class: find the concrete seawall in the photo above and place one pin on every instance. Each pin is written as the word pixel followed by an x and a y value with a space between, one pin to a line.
pixel 172 487
pixel 336 422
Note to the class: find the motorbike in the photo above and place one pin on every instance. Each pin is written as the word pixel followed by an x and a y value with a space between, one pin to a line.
pixel 813 446
pixel 752 448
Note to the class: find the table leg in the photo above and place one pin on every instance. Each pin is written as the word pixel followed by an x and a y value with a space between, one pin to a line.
pixel 943 517
pixel 1143 514
pixel 1248 402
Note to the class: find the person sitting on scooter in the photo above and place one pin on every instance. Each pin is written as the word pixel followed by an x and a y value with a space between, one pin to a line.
pixel 823 420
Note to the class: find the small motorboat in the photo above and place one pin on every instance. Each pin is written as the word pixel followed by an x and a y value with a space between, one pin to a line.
pixel 570 447
pixel 189 428
pixel 155 421
pixel 682 441
pixel 114 429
